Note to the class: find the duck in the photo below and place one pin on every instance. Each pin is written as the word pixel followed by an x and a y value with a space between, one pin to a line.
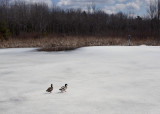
pixel 50 89
pixel 63 88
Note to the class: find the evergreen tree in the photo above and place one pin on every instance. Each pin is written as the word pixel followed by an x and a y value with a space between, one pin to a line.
pixel 4 31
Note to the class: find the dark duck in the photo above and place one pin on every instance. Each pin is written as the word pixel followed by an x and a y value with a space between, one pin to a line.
pixel 50 89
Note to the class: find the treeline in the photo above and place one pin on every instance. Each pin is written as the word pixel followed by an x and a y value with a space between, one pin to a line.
pixel 21 18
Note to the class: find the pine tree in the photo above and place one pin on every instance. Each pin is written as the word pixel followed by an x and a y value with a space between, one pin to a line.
pixel 4 31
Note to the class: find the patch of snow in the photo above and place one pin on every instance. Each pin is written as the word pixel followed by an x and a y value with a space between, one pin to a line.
pixel 143 45
pixel 101 80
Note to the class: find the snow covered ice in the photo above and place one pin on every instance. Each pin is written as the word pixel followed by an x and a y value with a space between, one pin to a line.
pixel 101 80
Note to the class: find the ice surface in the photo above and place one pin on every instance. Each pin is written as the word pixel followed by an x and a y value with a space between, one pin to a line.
pixel 101 80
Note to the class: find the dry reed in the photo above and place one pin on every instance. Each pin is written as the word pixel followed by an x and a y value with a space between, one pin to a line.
pixel 60 43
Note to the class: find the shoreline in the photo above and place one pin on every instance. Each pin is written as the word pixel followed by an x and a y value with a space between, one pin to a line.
pixel 72 43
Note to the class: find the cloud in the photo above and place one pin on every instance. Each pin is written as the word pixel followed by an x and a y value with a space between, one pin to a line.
pixel 132 6
pixel 82 3
pixel 48 2
pixel 63 2
pixel 124 7
pixel 121 0
pixel 109 6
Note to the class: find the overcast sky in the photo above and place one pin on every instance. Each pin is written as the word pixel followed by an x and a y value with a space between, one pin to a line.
pixel 110 6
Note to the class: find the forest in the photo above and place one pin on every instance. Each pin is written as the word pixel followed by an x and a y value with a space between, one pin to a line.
pixel 20 19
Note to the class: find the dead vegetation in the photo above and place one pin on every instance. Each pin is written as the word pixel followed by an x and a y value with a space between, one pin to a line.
pixel 64 43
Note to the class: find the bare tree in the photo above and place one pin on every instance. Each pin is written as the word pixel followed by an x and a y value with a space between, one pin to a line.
pixel 158 20
pixel 152 10
pixel 91 7
pixel 23 18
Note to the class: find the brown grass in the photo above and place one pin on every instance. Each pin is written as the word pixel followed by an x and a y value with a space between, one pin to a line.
pixel 61 43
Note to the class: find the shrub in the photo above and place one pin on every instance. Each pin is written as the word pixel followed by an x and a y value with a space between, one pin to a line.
pixel 4 31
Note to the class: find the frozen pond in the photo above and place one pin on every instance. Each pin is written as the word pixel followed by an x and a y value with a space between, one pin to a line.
pixel 101 80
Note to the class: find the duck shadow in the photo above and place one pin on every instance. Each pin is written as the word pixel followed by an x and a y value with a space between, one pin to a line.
pixel 60 92
pixel 54 93
pixel 47 93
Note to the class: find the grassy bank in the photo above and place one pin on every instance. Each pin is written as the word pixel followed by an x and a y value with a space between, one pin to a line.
pixel 59 43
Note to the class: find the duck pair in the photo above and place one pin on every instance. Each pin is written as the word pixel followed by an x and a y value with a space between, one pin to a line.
pixel 62 89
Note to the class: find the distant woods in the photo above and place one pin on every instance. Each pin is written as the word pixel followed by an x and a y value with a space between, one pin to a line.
pixel 21 18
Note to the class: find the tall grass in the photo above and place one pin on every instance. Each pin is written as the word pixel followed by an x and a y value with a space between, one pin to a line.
pixel 58 43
